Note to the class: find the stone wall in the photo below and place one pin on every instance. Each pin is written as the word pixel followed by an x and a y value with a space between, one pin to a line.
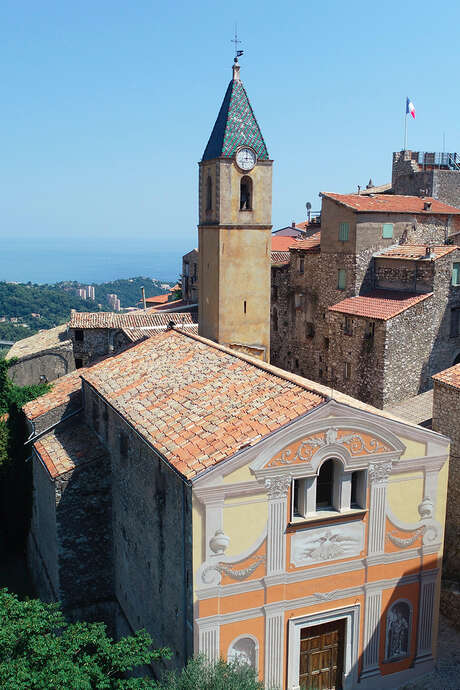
pixel 406 276
pixel 446 406
pixel 152 533
pixel 42 546
pixel 91 343
pixel 49 364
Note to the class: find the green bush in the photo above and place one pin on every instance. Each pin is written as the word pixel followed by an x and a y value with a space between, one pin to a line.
pixel 200 674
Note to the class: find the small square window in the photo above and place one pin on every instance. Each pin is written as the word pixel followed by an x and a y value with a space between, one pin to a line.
pixel 344 231
pixel 387 231
pixel 456 273
pixel 341 279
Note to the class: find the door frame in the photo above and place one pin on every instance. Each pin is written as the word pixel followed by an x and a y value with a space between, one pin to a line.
pixel 350 652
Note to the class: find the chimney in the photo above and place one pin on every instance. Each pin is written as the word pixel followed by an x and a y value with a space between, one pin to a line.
pixel 143 297
pixel 293 224
pixel 428 251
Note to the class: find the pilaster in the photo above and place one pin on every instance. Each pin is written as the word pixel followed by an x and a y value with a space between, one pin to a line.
pixel 426 611
pixel 277 488
pixel 371 639
pixel 274 646
pixel 378 474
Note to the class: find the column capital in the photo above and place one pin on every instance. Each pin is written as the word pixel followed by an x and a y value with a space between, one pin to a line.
pixel 379 472
pixel 278 486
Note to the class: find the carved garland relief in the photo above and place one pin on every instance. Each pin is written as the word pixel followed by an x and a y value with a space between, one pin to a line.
pixel 357 443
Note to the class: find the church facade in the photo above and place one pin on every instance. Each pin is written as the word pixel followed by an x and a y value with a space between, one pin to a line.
pixel 186 486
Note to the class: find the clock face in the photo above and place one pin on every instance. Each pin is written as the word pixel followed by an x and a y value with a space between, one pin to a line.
pixel 246 159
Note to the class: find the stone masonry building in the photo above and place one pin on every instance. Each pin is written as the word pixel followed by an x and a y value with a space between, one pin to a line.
pixel 370 305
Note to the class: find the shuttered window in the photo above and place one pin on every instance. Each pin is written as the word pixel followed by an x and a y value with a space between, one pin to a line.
pixel 341 279
pixel 344 230
pixel 456 273
pixel 387 231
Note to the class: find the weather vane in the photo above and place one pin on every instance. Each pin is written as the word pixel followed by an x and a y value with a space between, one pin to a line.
pixel 236 40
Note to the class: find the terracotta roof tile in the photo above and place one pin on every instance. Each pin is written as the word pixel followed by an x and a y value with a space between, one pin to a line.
pixel 158 299
pixel 60 393
pixel 449 376
pixel 280 257
pixel 69 445
pixel 181 392
pixel 134 319
pixel 416 251
pixel 392 203
pixel 281 243
pixel 312 243
pixel 379 304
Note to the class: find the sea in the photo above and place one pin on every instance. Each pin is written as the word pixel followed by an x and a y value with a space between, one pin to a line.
pixel 51 262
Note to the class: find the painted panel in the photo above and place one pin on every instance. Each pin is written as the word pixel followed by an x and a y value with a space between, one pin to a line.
pixel 404 494
pixel 441 500
pixel 321 544
pixel 244 521
pixel 242 474
pixel 414 449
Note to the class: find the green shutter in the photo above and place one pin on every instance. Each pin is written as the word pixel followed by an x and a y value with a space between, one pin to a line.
pixel 344 230
pixel 387 233
pixel 456 274
pixel 341 279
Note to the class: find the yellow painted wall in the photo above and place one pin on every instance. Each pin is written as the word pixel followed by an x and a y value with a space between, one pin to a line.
pixel 244 522
pixel 440 513
pixel 414 449
pixel 242 474
pixel 405 496
pixel 198 533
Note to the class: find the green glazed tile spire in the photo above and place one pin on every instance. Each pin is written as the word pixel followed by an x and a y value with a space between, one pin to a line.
pixel 236 124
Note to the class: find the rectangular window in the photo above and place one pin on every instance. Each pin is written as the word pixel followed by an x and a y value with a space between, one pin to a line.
pixel 309 329
pixel 79 335
pixel 370 329
pixel 454 322
pixel 456 273
pixel 344 231
pixel 348 326
pixel 341 279
pixel 387 231
pixel 326 343
pixel 301 265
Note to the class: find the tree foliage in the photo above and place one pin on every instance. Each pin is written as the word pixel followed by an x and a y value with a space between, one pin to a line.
pixel 200 674
pixel 40 649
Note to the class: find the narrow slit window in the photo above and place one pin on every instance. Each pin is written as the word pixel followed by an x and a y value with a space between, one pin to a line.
pixel 208 194
pixel 246 194
pixel 244 306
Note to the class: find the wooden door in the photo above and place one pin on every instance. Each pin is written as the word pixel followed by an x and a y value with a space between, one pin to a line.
pixel 321 656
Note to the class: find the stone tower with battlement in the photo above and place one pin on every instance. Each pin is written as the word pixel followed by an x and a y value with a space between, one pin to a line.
pixel 235 199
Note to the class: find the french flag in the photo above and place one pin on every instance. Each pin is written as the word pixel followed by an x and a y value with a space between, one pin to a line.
pixel 410 107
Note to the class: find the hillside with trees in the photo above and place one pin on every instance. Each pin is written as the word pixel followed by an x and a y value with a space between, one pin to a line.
pixel 26 308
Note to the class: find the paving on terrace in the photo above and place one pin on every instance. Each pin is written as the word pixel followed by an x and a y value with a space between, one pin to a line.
pixel 418 252
pixel 40 342
pixel 392 203
pixel 379 304
pixel 69 445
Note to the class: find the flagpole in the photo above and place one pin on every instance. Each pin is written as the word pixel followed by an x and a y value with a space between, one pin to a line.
pixel 405 130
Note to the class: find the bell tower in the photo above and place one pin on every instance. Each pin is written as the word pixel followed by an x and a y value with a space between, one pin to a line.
pixel 235 200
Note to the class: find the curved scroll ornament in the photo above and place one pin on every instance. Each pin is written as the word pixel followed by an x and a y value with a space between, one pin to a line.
pixel 403 543
pixel 233 573
pixel 429 529
pixel 277 487
pixel 354 442
pixel 379 472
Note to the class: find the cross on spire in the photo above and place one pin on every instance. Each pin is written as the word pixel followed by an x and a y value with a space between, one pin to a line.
pixel 236 40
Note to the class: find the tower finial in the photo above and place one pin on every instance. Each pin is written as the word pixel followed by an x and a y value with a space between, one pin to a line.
pixel 238 53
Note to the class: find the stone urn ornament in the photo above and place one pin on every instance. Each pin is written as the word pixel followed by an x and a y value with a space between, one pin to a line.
pixel 219 542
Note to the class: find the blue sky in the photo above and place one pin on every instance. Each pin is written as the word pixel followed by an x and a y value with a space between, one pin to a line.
pixel 106 107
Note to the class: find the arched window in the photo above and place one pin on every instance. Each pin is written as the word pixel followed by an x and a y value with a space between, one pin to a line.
pixel 208 194
pixel 246 194
pixel 325 485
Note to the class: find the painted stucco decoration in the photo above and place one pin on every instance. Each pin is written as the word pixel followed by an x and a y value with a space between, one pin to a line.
pixel 243 651
pixel 233 573
pixel 397 632
pixel 428 528
pixel 405 542
pixel 277 487
pixel 379 472
pixel 219 542
pixel 327 543
pixel 356 443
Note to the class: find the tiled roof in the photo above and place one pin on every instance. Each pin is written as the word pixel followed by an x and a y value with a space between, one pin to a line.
pixel 235 126
pixel 392 203
pixel 281 243
pixel 135 334
pixel 289 231
pixel 68 446
pixel 194 401
pixel 280 257
pixel 379 304
pixel 158 299
pixel 43 340
pixel 449 376
pixel 60 393
pixel 416 251
pixel 312 243
pixel 134 319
